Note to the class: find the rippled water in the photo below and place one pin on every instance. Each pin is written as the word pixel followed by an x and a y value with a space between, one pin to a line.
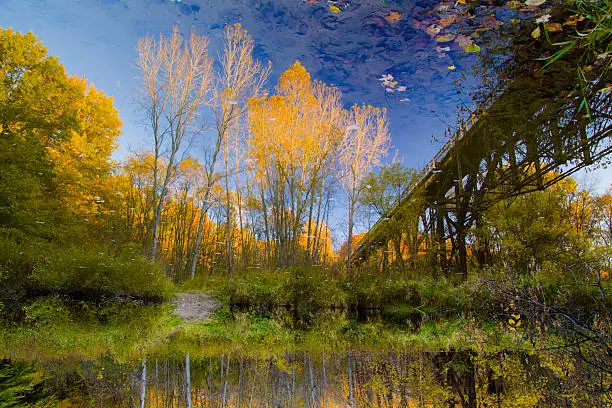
pixel 413 57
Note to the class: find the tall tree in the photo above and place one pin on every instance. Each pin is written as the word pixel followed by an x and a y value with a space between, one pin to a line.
pixel 239 78
pixel 384 190
pixel 176 81
pixel 366 141
pixel 56 136
pixel 293 137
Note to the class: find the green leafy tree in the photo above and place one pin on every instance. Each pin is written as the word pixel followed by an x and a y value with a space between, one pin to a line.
pixel 383 190
pixel 33 91
pixel 56 136
pixel 546 231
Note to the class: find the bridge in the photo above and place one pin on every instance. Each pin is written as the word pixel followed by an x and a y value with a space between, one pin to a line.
pixel 542 126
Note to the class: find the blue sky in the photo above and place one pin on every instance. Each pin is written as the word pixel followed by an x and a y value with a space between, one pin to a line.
pixel 351 49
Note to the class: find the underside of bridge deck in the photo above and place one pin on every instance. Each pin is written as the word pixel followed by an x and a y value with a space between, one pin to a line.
pixel 541 127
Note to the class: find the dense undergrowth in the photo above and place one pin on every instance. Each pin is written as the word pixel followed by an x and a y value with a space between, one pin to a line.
pixel 307 290
pixel 38 268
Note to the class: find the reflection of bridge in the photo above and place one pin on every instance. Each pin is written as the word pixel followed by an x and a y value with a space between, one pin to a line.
pixel 540 123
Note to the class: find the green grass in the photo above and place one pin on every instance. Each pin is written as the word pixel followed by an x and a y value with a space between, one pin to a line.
pixel 309 290
pixel 57 328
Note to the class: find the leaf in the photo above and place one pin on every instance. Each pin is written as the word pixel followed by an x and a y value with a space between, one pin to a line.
pixel 452 67
pixel 536 33
pixel 445 38
pixel 446 21
pixel 512 322
pixel 559 54
pixel 433 30
pixel 553 27
pixel 472 48
pixel 334 9
pixel 606 89
pixel 514 4
pixel 535 2
pixel 393 17
pixel 543 19
pixel 464 41
pixel 573 20
pixel 490 22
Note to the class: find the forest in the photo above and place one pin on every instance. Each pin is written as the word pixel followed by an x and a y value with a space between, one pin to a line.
pixel 238 198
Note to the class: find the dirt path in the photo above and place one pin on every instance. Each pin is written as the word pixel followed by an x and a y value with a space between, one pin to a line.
pixel 194 306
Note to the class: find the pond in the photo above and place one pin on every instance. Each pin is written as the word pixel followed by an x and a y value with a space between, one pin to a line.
pixel 325 273
pixel 243 357
pixel 389 378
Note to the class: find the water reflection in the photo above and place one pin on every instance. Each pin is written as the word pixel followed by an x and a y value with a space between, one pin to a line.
pixel 407 378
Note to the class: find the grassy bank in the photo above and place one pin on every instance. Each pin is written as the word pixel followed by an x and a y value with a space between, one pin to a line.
pixel 34 268
pixel 307 290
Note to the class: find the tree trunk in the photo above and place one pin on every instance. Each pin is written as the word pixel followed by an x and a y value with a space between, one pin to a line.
pixel 203 212
pixel 187 381
pixel 349 257
pixel 143 383
pixel 228 237
pixel 239 383
pixel 324 390
pixel 350 382
pixel 266 228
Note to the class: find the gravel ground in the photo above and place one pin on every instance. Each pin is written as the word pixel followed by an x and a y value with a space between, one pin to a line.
pixel 194 306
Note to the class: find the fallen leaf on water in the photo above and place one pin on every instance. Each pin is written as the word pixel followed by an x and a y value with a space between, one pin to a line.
pixel 491 22
pixel 392 84
pixel 445 38
pixel 444 6
pixel 433 30
pixel 553 27
pixel 464 41
pixel 334 9
pixel 543 19
pixel 393 17
pixel 514 4
pixel 472 48
pixel 446 21
pixel 535 2
pixel 573 20
pixel 536 33
pixel 452 67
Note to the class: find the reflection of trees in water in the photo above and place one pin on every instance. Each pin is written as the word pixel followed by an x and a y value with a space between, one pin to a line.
pixel 355 379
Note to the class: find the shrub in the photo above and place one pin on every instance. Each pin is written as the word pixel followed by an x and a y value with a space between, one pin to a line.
pixel 40 268
pixel 92 273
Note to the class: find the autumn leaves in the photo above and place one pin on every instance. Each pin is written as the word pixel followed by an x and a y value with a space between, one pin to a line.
pixel 282 155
